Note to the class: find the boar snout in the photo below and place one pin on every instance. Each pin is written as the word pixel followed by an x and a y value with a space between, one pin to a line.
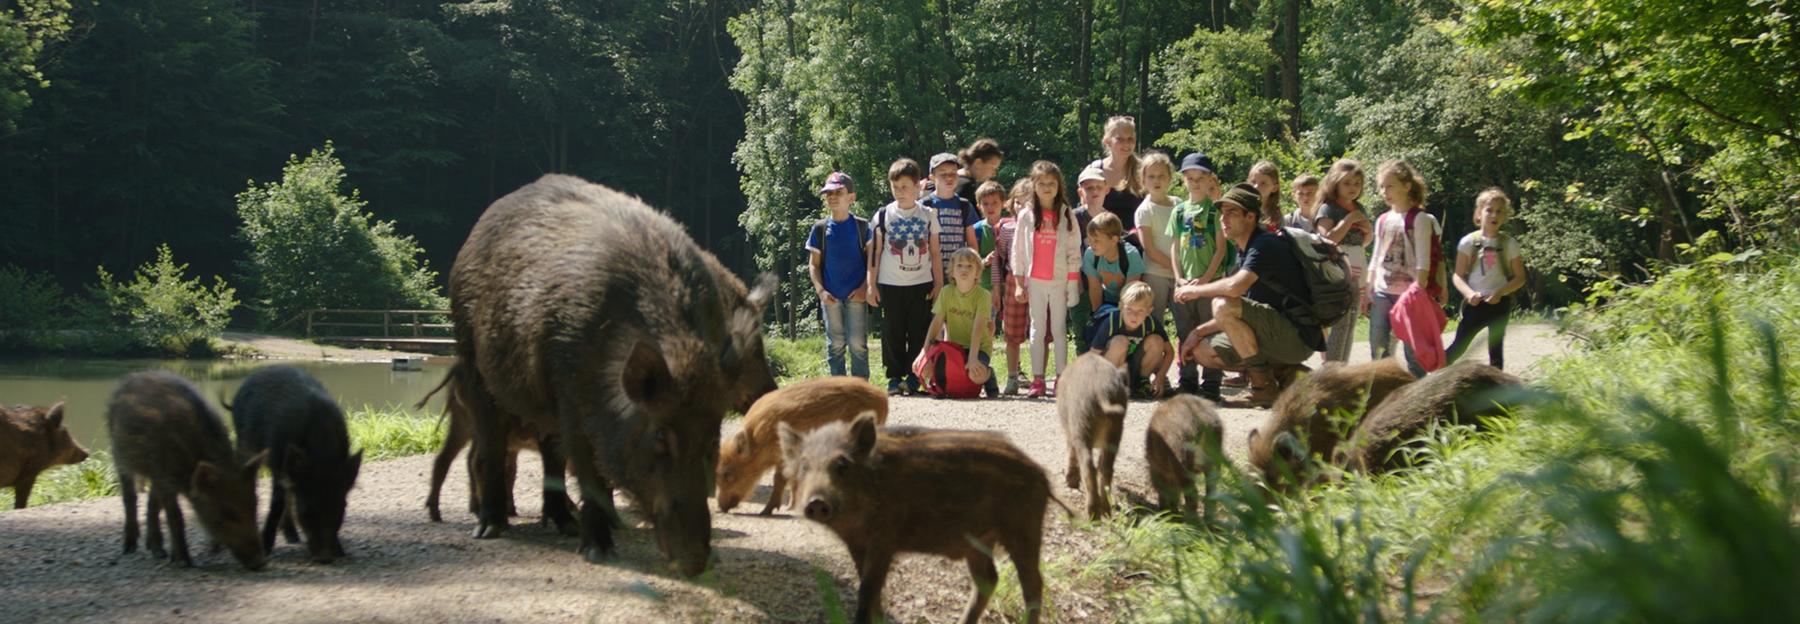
pixel 727 502
pixel 818 510
pixel 684 535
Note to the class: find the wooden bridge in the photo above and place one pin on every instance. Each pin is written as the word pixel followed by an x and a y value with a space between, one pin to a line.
pixel 399 330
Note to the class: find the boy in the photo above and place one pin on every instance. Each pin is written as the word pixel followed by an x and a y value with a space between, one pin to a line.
pixel 839 247
pixel 961 316
pixel 1131 338
pixel 1201 255
pixel 905 274
pixel 956 216
pixel 1091 190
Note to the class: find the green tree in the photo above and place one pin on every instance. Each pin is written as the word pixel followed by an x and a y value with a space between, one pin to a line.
pixel 1213 84
pixel 311 246
pixel 27 27
pixel 160 309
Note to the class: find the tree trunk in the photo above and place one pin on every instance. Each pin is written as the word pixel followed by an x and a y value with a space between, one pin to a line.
pixel 1147 33
pixel 1290 64
pixel 953 90
pixel 1124 60
pixel 1084 79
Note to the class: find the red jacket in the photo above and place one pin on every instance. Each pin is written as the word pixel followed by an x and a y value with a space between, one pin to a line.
pixel 1419 322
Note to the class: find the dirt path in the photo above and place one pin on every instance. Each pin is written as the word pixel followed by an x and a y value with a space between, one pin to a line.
pixel 282 348
pixel 62 562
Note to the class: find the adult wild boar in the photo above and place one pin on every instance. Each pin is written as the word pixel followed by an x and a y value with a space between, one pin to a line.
pixel 955 494
pixel 1320 409
pixel 1461 393
pixel 589 315
pixel 804 406
pixel 32 440
pixel 284 412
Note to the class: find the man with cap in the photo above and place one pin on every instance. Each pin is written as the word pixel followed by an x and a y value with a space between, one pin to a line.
pixel 1248 330
pixel 956 216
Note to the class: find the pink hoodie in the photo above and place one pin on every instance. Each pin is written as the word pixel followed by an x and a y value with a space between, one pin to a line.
pixel 1419 322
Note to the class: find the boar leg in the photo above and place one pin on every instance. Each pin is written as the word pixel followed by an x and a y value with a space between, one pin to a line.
pixel 1090 482
pixel 1108 455
pixel 596 515
pixel 985 576
pixel 1023 547
pixel 874 572
pixel 22 490
pixel 128 493
pixel 556 497
pixel 153 538
pixel 776 492
pixel 456 436
pixel 1211 477
pixel 1072 476
pixel 178 546
pixel 289 532
pixel 490 436
pixel 277 514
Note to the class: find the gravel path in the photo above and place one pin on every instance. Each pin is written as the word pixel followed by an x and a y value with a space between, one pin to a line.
pixel 63 562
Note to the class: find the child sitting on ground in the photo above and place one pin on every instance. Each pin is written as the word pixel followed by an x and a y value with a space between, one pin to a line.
pixel 960 317
pixel 1131 338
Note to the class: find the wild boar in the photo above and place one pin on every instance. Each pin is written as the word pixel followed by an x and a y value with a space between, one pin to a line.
pixel 284 412
pixel 1462 393
pixel 32 440
pixel 166 436
pixel 954 494
pixel 804 406
pixel 1185 439
pixel 597 320
pixel 457 434
pixel 1320 409
pixel 1091 402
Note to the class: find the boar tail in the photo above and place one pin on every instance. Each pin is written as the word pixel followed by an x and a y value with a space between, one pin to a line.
pixel 1068 511
pixel 1112 409
pixel 223 402
pixel 444 382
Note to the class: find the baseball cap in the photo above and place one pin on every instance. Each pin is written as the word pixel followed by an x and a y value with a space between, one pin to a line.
pixel 837 180
pixel 1090 173
pixel 1196 160
pixel 941 158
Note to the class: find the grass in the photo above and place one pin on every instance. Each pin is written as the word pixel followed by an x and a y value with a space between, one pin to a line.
pixel 381 433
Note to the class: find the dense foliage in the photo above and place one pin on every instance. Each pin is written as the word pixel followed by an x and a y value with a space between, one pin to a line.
pixel 161 310
pixel 311 246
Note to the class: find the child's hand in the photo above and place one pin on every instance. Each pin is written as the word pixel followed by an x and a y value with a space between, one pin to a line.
pixel 1072 296
pixel 934 292
pixel 825 296
pixel 1019 292
pixel 1362 307
pixel 1475 299
pixel 874 296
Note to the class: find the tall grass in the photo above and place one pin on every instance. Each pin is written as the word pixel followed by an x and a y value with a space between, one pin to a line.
pixel 1656 483
pixel 381 433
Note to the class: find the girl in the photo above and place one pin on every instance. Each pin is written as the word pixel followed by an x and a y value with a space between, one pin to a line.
pixel 1489 268
pixel 1015 319
pixel 1153 219
pixel 1046 254
pixel 1306 203
pixel 981 160
pixel 1267 180
pixel 1341 220
pixel 1124 177
pixel 960 316
pixel 1402 253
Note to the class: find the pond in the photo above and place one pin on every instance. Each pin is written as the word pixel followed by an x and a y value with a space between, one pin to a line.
pixel 86 384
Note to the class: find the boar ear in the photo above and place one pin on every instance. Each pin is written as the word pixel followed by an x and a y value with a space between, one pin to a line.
pixel 206 477
pixel 790 443
pixel 761 291
pixel 1250 440
pixel 55 417
pixel 741 443
pixel 646 376
pixel 862 435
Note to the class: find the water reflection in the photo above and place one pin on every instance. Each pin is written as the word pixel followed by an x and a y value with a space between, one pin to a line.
pixel 86 384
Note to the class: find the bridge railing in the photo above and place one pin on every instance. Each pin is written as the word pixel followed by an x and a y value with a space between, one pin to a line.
pixel 343 323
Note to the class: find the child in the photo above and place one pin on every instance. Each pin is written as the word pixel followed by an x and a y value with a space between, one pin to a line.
pixel 905 275
pixel 960 316
pixel 1267 180
pixel 1402 249
pixel 1200 255
pixel 1108 265
pixel 1341 220
pixel 981 160
pixel 1091 187
pixel 1131 338
pixel 1015 318
pixel 956 216
pixel 839 247
pixel 1153 221
pixel 990 200
pixel 1306 203
pixel 1047 256
pixel 1489 268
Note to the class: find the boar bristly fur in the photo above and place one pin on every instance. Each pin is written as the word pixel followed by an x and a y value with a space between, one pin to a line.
pixel 1091 403
pixel 1185 439
pixel 804 406
pixel 32 440
pixel 285 412
pixel 1462 393
pixel 1313 410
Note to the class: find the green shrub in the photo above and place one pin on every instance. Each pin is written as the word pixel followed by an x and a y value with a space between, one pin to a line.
pixel 160 310
pixel 30 305
pixel 311 246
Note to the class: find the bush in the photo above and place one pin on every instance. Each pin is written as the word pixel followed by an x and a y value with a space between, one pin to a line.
pixel 31 305
pixel 160 310
pixel 313 247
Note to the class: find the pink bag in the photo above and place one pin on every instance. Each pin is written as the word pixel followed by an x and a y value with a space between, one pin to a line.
pixel 1419 322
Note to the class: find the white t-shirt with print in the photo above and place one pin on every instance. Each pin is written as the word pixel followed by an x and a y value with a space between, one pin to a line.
pixel 1400 256
pixel 906 260
pixel 1489 260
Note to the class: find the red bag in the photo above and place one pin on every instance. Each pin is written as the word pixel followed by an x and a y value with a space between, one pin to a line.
pixel 956 383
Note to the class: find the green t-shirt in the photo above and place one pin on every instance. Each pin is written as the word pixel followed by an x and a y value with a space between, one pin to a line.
pixel 960 311
pixel 985 243
pixel 1195 229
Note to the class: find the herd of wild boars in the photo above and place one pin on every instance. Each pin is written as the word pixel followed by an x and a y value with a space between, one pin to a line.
pixel 591 329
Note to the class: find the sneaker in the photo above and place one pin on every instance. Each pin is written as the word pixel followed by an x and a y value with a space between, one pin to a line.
pixel 894 388
pixel 1188 386
pixel 992 389
pixel 1052 392
pixel 1012 385
pixel 1210 394
pixel 912 385
pixel 1237 381
pixel 1037 389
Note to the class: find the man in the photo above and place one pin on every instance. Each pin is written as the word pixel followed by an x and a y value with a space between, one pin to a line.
pixel 1249 330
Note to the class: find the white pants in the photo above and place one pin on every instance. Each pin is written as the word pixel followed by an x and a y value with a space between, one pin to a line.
pixel 1049 317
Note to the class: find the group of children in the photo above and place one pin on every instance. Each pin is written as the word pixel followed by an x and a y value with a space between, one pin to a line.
pixel 1026 265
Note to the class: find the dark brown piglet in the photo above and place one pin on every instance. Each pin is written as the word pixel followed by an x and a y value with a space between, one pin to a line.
pixel 32 440
pixel 1320 409
pixel 1462 393
pixel 284 412
pixel 165 436
pixel 1184 440
pixel 1091 402
pixel 804 406
pixel 955 494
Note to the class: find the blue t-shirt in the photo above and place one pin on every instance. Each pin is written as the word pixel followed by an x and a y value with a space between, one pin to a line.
pixel 842 269
pixel 953 215
pixel 1271 257
pixel 1113 277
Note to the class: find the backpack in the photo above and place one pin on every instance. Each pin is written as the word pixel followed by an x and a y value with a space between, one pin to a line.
pixel 1499 244
pixel 1327 277
pixel 942 368
pixel 1437 281
pixel 862 237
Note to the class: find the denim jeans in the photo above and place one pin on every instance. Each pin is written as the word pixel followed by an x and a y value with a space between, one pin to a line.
pixel 846 324
pixel 1381 330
